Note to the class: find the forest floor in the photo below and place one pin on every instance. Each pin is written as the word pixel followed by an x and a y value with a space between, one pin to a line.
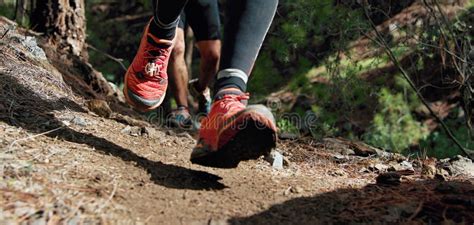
pixel 63 162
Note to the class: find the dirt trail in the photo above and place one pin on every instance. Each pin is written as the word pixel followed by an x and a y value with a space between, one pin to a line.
pixel 61 163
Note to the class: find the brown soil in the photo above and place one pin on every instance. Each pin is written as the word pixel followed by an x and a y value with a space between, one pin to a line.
pixel 61 163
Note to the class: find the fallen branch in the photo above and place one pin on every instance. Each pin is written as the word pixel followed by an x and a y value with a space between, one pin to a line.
pixel 34 136
pixel 118 60
pixel 468 152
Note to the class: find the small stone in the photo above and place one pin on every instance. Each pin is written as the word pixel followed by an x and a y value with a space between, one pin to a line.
pixel 170 133
pixel 99 107
pixel 126 130
pixel 347 151
pixel 296 190
pixel 79 121
pixel 379 167
pixel 362 149
pixel 148 131
pixel 275 159
pixel 132 131
pixel 340 158
pixel 405 168
pixel 383 154
pixel 460 165
pixel 288 136
pixel 66 123
pixel 287 191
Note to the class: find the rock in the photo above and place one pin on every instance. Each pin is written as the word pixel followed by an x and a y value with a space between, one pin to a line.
pixel 347 151
pixel 66 123
pixel 338 145
pixel 31 45
pixel 379 167
pixel 133 131
pixel 389 179
pixel 79 121
pixel 405 168
pixel 275 159
pixel 288 136
pixel 170 133
pixel 99 107
pixel 461 166
pixel 151 132
pixel 383 154
pixel 340 158
pixel 362 149
pixel 296 190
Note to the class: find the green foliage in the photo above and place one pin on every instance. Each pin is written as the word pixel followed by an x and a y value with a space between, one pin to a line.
pixel 286 126
pixel 265 77
pixel 439 145
pixel 7 9
pixel 394 127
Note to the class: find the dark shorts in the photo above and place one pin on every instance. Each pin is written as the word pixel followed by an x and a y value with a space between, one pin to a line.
pixel 203 17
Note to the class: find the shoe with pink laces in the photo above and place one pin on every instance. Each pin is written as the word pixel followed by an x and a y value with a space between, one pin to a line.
pixel 146 79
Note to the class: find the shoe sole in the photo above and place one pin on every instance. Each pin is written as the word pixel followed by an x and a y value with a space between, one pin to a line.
pixel 257 139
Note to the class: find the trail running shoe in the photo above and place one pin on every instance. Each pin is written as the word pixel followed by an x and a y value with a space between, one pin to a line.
pixel 203 98
pixel 180 118
pixel 146 79
pixel 233 132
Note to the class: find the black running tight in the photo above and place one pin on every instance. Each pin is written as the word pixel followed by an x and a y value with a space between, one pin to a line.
pixel 247 22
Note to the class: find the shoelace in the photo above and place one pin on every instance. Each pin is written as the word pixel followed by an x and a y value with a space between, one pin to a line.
pixel 230 100
pixel 154 68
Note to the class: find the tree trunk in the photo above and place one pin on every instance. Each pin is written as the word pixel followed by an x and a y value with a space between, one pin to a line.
pixel 63 23
pixel 20 11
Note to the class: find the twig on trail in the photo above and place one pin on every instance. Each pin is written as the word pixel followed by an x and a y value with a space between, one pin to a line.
pixel 6 32
pixel 118 60
pixel 110 197
pixel 34 136
pixel 468 152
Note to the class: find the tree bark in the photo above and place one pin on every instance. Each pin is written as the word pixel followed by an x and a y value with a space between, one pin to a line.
pixel 63 23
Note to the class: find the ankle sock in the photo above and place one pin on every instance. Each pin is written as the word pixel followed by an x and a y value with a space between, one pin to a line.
pixel 231 78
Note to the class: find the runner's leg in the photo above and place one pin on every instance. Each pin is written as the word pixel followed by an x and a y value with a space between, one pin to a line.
pixel 166 17
pixel 247 22
pixel 179 71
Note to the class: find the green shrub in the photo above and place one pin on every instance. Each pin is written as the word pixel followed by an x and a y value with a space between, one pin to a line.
pixel 394 127
pixel 439 145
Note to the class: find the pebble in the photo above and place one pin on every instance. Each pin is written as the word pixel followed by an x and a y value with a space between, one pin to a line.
pixel 404 167
pixel 379 167
pixel 276 159
pixel 79 121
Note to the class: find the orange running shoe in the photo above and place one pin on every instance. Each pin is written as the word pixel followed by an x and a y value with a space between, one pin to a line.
pixel 146 79
pixel 233 132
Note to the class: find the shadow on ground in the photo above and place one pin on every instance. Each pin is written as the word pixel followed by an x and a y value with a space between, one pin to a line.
pixel 415 202
pixel 22 107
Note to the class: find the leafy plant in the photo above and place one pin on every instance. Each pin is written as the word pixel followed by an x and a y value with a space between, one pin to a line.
pixel 394 127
